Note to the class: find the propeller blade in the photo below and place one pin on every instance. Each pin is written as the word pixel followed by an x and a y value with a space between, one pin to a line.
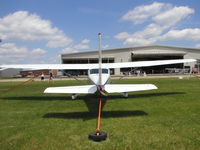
pixel 103 92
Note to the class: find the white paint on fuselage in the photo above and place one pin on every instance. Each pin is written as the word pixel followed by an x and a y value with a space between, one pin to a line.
pixel 93 75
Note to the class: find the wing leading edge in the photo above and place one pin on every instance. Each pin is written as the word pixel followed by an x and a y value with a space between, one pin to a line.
pixel 104 65
pixel 51 66
pixel 146 63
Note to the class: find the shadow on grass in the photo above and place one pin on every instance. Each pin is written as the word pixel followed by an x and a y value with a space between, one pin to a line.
pixel 91 101
pixel 39 98
pixel 90 115
pixel 113 97
pixel 85 97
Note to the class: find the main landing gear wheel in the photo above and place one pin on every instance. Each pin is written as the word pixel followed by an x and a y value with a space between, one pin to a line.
pixel 98 136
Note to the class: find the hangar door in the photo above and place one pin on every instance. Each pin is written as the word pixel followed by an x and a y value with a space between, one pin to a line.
pixel 139 56
pixel 85 61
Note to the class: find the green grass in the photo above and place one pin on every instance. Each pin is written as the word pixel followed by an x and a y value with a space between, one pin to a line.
pixel 167 118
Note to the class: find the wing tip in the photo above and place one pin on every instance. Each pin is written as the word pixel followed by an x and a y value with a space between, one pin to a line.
pixel 46 90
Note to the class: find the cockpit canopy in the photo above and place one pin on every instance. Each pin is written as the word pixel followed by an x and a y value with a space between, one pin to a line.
pixel 96 71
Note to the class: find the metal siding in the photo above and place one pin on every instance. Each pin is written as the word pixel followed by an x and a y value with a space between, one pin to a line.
pixel 124 54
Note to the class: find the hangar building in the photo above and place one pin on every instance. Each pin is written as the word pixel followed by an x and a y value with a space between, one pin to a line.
pixel 132 54
pixel 9 72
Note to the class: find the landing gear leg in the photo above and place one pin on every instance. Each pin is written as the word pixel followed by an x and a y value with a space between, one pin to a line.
pixel 74 96
pixel 125 94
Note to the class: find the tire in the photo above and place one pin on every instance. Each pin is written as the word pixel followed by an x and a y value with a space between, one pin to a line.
pixel 98 138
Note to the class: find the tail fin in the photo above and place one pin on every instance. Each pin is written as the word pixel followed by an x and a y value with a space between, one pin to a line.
pixel 100 60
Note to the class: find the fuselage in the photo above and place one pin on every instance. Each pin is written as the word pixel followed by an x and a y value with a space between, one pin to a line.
pixel 94 77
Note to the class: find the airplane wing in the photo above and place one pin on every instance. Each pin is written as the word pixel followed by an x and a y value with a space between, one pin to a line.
pixel 1 69
pixel 146 63
pixel 86 89
pixel 104 65
pixel 52 66
pixel 120 88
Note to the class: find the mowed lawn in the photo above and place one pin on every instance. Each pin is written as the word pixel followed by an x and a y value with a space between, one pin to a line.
pixel 167 118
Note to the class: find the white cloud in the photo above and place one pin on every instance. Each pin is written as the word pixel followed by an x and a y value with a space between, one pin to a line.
pixel 10 53
pixel 185 34
pixel 59 41
pixel 151 30
pixel 122 36
pixel 197 45
pixel 76 48
pixel 145 37
pixel 5 59
pixel 164 17
pixel 81 46
pixel 23 26
pixel 55 59
pixel 105 46
pixel 138 41
pixel 141 13
pixel 10 48
pixel 85 41
pixel 69 49
pixel 172 16
pixel 37 53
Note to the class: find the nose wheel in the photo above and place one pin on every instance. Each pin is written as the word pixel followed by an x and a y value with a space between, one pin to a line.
pixel 98 135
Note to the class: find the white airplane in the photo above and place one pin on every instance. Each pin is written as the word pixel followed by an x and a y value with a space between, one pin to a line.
pixel 99 77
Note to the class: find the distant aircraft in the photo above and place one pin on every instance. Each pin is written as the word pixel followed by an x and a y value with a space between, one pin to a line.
pixel 99 76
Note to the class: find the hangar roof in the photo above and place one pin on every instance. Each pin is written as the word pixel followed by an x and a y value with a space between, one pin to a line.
pixel 158 52
pixel 164 49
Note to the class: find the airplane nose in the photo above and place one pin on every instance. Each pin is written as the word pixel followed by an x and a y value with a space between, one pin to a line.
pixel 101 89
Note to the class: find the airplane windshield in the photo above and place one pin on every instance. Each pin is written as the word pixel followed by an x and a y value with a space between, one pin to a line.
pixel 96 71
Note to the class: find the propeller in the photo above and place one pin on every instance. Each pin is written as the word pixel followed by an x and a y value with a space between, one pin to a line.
pixel 102 90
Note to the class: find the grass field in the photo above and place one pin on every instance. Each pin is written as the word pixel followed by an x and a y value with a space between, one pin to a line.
pixel 167 118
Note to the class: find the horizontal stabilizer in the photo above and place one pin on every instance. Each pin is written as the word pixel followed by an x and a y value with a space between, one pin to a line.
pixel 120 88
pixel 87 89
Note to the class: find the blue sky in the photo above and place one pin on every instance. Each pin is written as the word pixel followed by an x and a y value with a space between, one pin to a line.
pixel 38 31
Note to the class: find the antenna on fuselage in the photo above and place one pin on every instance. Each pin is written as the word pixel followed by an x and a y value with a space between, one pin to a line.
pixel 100 60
